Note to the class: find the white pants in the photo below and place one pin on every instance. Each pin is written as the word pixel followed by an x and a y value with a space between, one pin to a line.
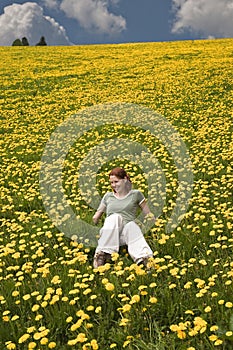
pixel 114 233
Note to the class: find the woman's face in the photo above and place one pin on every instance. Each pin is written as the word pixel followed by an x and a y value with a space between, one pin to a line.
pixel 117 184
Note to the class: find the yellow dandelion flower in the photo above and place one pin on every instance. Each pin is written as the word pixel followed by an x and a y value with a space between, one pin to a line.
pixel 200 324
pixel 125 285
pixel 76 325
pixel 229 304
pixel 10 346
pixel 153 300
pixel 109 287
pixel 104 280
pixel 90 308
pixel 23 338
pixel 38 317
pixel 124 322
pixel 102 269
pixel 228 283
pixel 98 309
pixel 218 342
pixel 81 338
pixel 56 280
pixel 126 308
pixel 139 270
pixel 152 285
pixel 189 312
pixel 52 345
pixel 37 336
pixel 6 312
pixel 229 333
pixel 83 315
pixel 32 345
pixel 126 343
pixel 14 318
pixel 92 297
pixel 174 328
pixel 87 291
pixel 142 287
pixel 143 292
pixel 188 285
pixel 203 262
pixel 44 341
pixel 89 325
pixel 31 329
pixel 193 332
pixel 44 304
pixel 64 299
pixel 181 334
pixel 72 342
pixel 59 291
pixel 115 256
pixel 207 309
pixel 35 308
pixel 135 299
pixel 94 344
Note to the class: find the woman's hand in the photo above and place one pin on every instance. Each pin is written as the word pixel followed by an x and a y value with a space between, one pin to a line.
pixel 146 211
pixel 95 220
pixel 96 217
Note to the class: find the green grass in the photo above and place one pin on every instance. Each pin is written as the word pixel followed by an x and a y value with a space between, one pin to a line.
pixel 190 83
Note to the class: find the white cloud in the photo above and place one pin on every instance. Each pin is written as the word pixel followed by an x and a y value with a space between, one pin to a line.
pixel 28 20
pixel 94 15
pixel 211 18
pixel 52 4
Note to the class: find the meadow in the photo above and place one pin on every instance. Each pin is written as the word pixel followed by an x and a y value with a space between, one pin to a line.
pixel 50 295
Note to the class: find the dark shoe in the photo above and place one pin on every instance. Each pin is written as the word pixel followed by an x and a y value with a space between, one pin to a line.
pixel 144 262
pixel 100 259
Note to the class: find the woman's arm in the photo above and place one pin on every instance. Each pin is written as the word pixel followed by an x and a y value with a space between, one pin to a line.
pixel 146 210
pixel 100 210
pixel 97 216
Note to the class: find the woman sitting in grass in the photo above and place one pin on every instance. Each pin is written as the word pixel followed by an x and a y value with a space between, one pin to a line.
pixel 119 226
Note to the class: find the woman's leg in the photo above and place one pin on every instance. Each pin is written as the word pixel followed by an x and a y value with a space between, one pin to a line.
pixel 110 234
pixel 138 248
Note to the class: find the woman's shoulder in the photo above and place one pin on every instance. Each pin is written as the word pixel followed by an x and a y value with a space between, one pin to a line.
pixel 138 194
pixel 135 191
pixel 108 194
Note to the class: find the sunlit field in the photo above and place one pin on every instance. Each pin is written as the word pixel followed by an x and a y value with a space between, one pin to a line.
pixel 50 295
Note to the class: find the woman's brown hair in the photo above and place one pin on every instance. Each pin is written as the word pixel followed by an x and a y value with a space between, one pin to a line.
pixel 120 173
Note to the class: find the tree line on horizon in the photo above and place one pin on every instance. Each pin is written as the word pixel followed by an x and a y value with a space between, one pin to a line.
pixel 24 42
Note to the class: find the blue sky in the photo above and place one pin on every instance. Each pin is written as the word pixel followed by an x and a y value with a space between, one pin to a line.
pixel 64 22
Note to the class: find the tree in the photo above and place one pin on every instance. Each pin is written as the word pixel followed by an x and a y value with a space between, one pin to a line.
pixel 17 42
pixel 25 41
pixel 42 42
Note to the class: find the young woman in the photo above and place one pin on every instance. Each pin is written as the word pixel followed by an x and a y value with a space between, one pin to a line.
pixel 119 226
